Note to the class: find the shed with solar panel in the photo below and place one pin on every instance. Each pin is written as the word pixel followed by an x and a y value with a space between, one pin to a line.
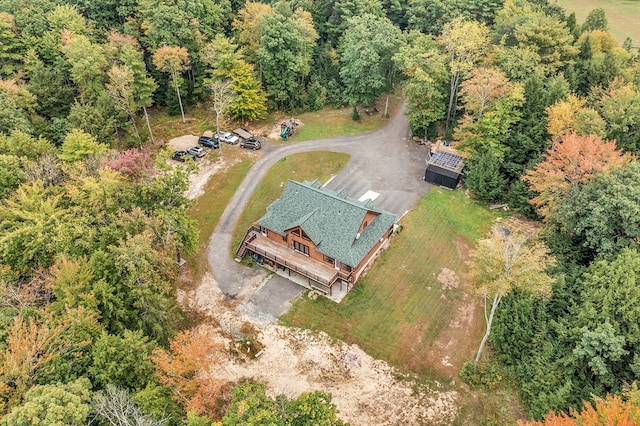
pixel 444 169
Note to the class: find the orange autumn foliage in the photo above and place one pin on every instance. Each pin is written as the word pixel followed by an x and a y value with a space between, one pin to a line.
pixel 573 161
pixel 186 369
pixel 610 411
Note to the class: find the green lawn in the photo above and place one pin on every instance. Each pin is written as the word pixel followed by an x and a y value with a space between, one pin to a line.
pixel 319 165
pixel 623 15
pixel 400 310
pixel 335 122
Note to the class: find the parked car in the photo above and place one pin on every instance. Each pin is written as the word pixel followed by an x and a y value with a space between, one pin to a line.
pixel 208 142
pixel 250 144
pixel 182 156
pixel 196 151
pixel 227 137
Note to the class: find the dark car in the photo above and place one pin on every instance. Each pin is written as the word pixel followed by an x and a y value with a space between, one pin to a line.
pixel 250 144
pixel 182 156
pixel 208 142
pixel 196 151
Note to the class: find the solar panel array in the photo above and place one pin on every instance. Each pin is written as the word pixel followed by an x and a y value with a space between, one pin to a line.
pixel 447 160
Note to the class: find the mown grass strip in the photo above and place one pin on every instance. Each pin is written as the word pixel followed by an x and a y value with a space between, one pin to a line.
pixel 208 208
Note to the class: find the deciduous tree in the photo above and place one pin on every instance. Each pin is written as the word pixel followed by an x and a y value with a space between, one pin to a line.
pixel 79 145
pixel 54 405
pixel 120 89
pixel 464 42
pixel 572 162
pixel 424 65
pixel 248 24
pixel 173 60
pixel 186 368
pixel 611 410
pixel 286 48
pixel 501 264
pixel 116 406
pixel 11 45
pixel 222 97
pixel 366 53
pixel 30 345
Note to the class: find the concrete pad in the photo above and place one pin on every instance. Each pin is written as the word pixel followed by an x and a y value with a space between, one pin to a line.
pixel 271 300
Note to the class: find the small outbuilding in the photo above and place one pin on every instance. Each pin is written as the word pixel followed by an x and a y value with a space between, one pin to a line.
pixel 444 169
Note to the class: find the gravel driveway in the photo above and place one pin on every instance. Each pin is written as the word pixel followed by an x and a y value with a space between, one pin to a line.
pixel 383 161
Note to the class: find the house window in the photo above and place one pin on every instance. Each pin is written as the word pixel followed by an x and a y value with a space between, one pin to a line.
pixel 306 237
pixel 301 248
pixel 365 225
pixel 328 259
pixel 263 230
pixel 296 232
pixel 345 267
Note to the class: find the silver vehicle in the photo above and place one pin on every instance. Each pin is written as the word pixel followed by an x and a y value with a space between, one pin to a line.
pixel 227 137
pixel 196 151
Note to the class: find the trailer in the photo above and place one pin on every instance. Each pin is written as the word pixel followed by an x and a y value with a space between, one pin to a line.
pixel 244 134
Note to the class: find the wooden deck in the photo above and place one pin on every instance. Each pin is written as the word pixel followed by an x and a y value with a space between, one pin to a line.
pixel 291 259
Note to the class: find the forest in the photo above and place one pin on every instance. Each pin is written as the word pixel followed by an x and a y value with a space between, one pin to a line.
pixel 92 217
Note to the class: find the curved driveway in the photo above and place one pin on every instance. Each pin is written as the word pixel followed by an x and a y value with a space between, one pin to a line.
pixel 382 161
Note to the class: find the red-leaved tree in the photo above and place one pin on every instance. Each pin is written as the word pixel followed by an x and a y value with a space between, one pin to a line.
pixel 572 162
pixel 134 163
pixel 186 369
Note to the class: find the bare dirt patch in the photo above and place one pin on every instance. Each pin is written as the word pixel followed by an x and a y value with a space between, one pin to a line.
pixel 366 391
pixel 520 224
pixel 448 278
pixel 183 142
pixel 206 169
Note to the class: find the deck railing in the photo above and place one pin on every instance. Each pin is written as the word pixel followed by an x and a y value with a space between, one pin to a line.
pixel 291 266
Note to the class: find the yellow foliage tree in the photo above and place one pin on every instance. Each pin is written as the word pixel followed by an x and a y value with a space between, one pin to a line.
pixel 501 264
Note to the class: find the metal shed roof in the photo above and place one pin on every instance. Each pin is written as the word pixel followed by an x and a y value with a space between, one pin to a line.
pixel 447 161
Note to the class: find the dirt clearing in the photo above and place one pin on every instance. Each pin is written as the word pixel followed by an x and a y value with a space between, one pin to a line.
pixel 366 391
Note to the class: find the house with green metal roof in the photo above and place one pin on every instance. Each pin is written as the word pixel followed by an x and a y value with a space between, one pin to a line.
pixel 324 236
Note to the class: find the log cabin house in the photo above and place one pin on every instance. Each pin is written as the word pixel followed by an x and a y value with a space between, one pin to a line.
pixel 319 234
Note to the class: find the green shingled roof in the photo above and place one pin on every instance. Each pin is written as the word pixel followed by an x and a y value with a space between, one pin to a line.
pixel 329 218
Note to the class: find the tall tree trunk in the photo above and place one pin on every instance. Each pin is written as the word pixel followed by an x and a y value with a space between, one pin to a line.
pixel 489 321
pixel 386 107
pixel 218 132
pixel 452 96
pixel 146 116
pixel 135 128
pixel 175 83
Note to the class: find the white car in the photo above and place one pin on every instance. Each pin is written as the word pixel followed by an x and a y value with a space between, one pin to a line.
pixel 227 137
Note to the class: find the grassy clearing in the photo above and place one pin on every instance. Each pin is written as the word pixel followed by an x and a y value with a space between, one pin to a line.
pixel 335 122
pixel 623 15
pixel 319 165
pixel 400 310
pixel 207 209
pixel 317 124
